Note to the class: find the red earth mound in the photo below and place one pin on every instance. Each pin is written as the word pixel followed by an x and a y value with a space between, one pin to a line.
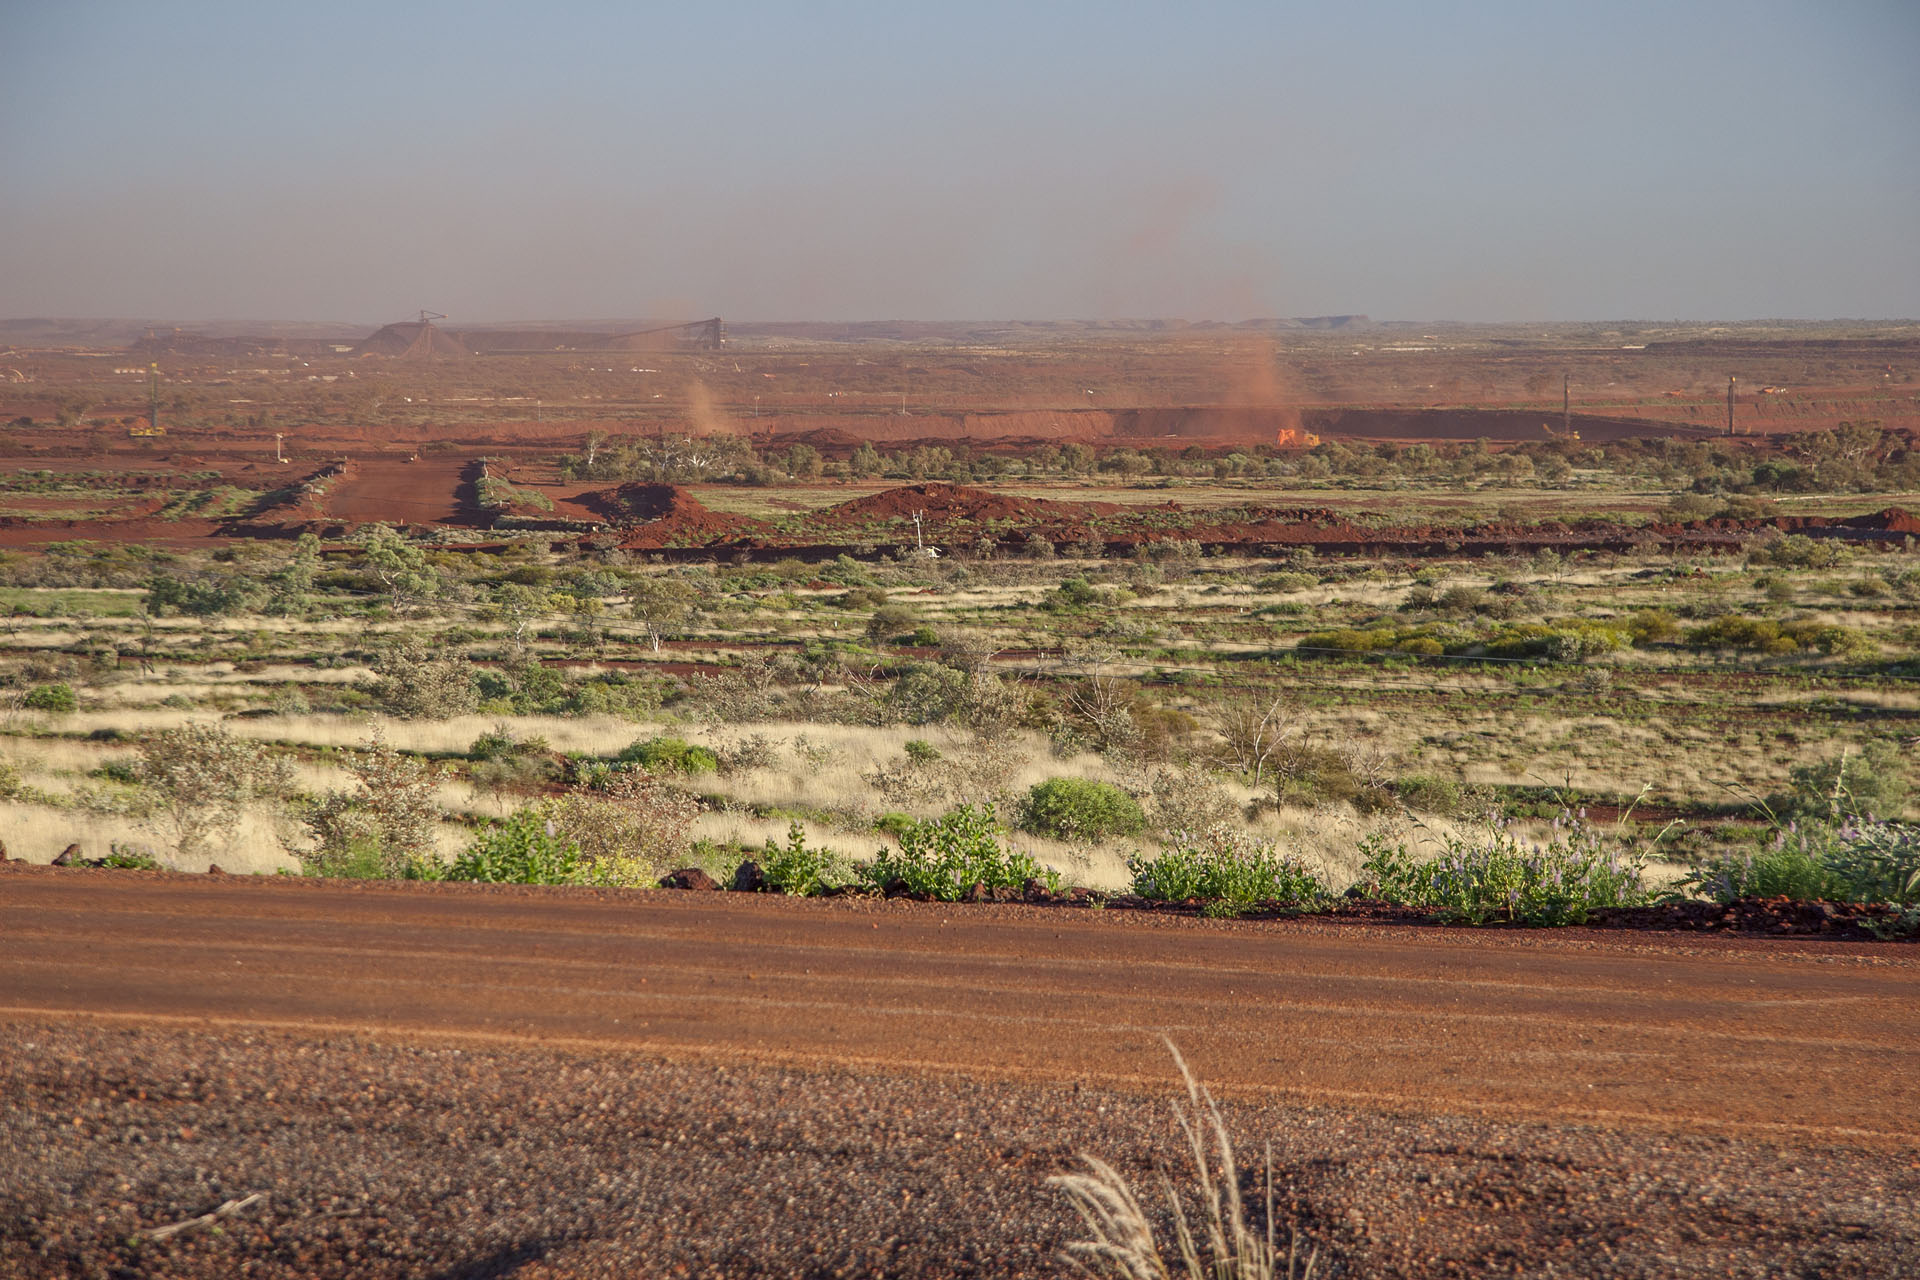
pixel 669 516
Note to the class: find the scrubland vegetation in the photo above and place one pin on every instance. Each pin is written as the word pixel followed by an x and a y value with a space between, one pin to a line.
pixel 1174 724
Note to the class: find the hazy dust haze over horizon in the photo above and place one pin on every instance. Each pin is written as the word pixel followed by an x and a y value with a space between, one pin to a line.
pixel 1219 161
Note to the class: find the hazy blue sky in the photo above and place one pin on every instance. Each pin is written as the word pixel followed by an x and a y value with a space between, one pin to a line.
pixel 1533 160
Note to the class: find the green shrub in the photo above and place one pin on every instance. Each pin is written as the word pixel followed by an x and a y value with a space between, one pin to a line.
pixel 353 857
pixel 1798 551
pixel 927 693
pixel 1653 626
pixel 1806 861
pixel 1227 870
pixel 799 869
pixel 889 621
pixel 1286 580
pixel 894 824
pixel 1499 876
pixel 525 849
pixel 1871 782
pixel 129 858
pixel 1567 642
pixel 51 697
pixel 1767 636
pixel 1080 809
pixel 124 772
pixel 1071 596
pixel 946 856
pixel 671 754
pixel 1430 794
pixel 498 743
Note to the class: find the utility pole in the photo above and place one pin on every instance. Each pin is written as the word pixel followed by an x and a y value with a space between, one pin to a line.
pixel 278 436
pixel 1730 381
pixel 153 396
pixel 1566 405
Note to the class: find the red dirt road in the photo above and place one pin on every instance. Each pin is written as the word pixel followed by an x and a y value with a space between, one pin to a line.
pixel 394 491
pixel 1801 1040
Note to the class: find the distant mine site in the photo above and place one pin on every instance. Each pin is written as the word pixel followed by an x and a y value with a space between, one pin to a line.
pixel 324 430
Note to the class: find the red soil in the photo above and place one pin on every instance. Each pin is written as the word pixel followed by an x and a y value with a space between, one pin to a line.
pixel 672 517
pixel 948 504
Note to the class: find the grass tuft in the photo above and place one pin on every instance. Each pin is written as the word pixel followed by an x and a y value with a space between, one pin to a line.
pixel 1223 1245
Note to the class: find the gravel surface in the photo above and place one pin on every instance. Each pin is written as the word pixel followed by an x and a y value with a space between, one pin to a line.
pixel 410 1158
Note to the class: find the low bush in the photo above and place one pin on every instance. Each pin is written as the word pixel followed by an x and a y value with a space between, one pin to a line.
pixel 1869 783
pixel 1564 642
pixel 1080 809
pixel 674 755
pixel 1764 635
pixel 946 856
pixel 58 698
pixel 630 826
pixel 927 693
pixel 498 743
pixel 525 849
pixel 1653 626
pixel 894 824
pixel 1499 876
pixel 890 621
pixel 801 869
pixel 1818 860
pixel 1228 871
pixel 1430 794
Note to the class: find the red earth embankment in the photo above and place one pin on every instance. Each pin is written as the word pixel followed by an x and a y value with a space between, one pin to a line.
pixel 1262 424
pixel 962 516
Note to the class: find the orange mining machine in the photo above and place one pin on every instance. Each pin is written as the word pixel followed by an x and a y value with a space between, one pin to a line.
pixel 1295 438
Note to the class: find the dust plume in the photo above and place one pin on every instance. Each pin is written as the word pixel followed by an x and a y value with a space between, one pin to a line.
pixel 705 417
pixel 1254 381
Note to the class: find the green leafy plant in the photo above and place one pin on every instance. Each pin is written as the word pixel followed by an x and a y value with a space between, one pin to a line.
pixel 800 869
pixel 1818 860
pixel 630 825
pixel 202 780
pixel 1498 875
pixel 1228 871
pixel 525 849
pixel 946 856
pixel 383 828
pixel 674 755
pixel 130 858
pixel 1080 809
pixel 57 698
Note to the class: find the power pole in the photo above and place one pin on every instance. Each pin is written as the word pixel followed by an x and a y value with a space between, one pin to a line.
pixel 153 396
pixel 1566 405
pixel 1730 381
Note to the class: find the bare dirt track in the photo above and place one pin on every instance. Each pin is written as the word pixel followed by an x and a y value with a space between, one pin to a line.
pixel 1824 1042
pixel 395 491
pixel 461 1081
